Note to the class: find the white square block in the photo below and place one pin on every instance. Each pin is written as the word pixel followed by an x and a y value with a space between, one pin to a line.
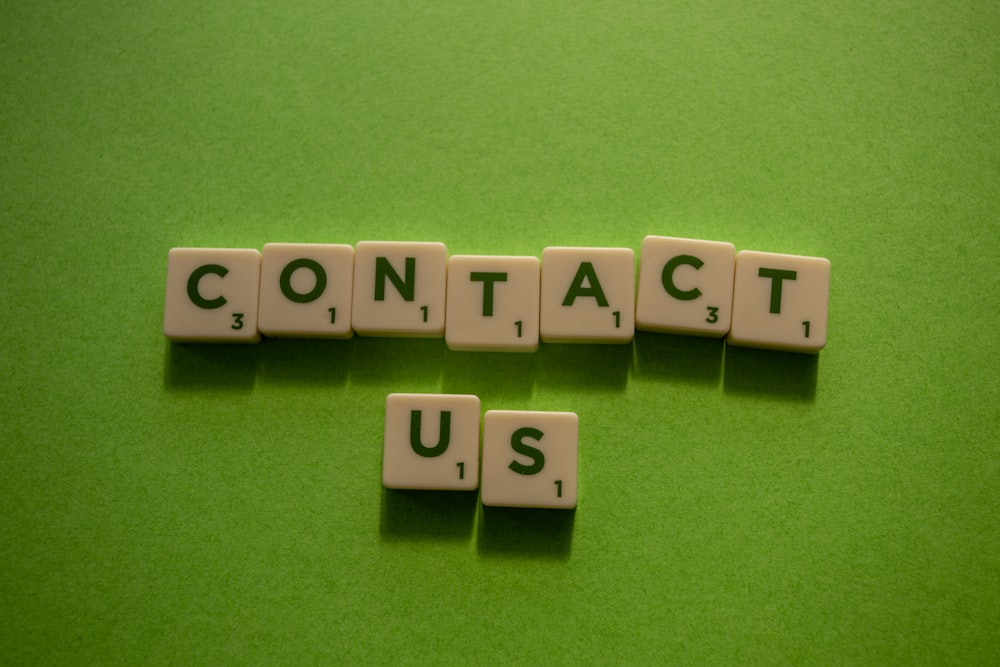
pixel 780 302
pixel 399 289
pixel 685 286
pixel 212 295
pixel 530 459
pixel 492 303
pixel 431 442
pixel 588 295
pixel 306 290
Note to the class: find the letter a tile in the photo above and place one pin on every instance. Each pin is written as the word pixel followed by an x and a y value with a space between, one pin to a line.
pixel 588 295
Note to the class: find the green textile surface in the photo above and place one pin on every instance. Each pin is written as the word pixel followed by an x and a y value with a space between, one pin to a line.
pixel 222 504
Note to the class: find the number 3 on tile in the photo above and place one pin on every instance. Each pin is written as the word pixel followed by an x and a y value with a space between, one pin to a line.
pixel 237 321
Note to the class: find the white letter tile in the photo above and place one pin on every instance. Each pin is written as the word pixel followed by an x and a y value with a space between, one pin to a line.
pixel 431 442
pixel 685 286
pixel 306 290
pixel 780 302
pixel 212 295
pixel 399 289
pixel 588 295
pixel 492 303
pixel 530 459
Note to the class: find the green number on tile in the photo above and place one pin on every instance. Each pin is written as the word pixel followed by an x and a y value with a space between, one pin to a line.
pixel 237 321
pixel 618 319
pixel 518 325
pixel 333 315
pixel 806 325
pixel 461 469
pixel 558 488
pixel 424 308
pixel 713 315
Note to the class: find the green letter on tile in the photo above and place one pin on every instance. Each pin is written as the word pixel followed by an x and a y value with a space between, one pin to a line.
pixel 488 278
pixel 383 270
pixel 585 273
pixel 196 276
pixel 776 276
pixel 668 277
pixel 286 280
pixel 517 443
pixel 443 439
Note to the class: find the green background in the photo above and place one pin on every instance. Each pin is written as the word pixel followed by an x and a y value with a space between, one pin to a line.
pixel 222 504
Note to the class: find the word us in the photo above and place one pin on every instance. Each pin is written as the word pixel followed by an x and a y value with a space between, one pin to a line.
pixel 529 459
pixel 498 303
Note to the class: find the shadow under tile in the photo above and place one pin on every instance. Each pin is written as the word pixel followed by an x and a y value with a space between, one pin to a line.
pixel 401 364
pixel 210 366
pixel 693 359
pixel 490 375
pixel 528 533
pixel 597 368
pixel 439 515
pixel 783 375
pixel 298 361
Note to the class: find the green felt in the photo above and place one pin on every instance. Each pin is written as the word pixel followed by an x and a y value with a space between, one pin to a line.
pixel 222 505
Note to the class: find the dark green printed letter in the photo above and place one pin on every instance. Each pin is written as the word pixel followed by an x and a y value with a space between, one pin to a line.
pixel 383 270
pixel 196 276
pixel 488 278
pixel 286 280
pixel 585 272
pixel 776 276
pixel 443 439
pixel 517 444
pixel 668 277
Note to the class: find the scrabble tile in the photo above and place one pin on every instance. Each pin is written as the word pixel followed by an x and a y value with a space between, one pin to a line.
pixel 588 295
pixel 212 295
pixel 492 303
pixel 306 290
pixel 431 442
pixel 530 459
pixel 780 302
pixel 399 289
pixel 685 286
